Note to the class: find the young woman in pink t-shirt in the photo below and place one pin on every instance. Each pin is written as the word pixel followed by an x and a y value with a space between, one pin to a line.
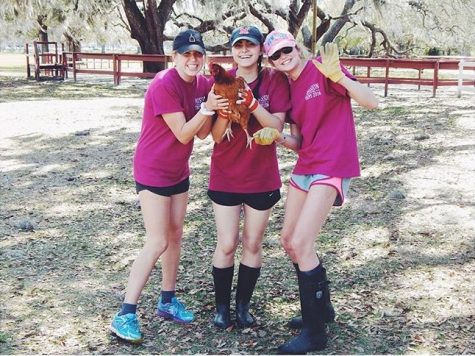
pixel 178 106
pixel 323 135
pixel 245 179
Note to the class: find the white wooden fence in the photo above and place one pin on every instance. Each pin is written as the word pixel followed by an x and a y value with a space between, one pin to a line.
pixel 464 68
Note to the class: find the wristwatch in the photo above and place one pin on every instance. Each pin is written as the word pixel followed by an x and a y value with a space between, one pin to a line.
pixel 205 111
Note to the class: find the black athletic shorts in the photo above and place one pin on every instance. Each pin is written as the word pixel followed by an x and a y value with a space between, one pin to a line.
pixel 179 188
pixel 258 201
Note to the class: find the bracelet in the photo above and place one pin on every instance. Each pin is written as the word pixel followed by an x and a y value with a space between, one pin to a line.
pixel 205 111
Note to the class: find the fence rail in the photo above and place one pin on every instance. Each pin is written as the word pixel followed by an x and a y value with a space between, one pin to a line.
pixel 435 72
pixel 390 66
pixel 463 64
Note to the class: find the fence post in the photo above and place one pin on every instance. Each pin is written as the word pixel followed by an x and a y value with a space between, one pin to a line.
pixel 368 73
pixel 464 65
pixel 74 66
pixel 419 77
pixel 460 79
pixel 64 59
pixel 386 80
pixel 28 70
pixel 435 82
pixel 114 69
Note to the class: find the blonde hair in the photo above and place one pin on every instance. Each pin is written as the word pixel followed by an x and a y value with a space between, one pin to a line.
pixel 304 52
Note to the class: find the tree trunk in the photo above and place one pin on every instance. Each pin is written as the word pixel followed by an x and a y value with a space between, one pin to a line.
pixel 307 34
pixel 43 32
pixel 147 27
pixel 72 44
pixel 296 18
pixel 338 24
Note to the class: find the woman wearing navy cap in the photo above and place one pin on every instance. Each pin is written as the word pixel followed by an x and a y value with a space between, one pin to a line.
pixel 178 106
pixel 245 180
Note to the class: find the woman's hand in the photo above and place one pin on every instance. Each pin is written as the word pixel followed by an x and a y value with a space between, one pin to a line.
pixel 216 102
pixel 266 136
pixel 247 98
pixel 330 65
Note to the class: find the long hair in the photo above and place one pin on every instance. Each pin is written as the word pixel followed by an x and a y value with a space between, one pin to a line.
pixel 255 92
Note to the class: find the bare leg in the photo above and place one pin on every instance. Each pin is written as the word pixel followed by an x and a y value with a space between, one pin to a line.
pixel 156 216
pixel 255 223
pixel 227 225
pixel 293 208
pixel 313 214
pixel 171 257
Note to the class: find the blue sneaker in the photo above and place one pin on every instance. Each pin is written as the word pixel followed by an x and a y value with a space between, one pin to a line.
pixel 127 327
pixel 175 311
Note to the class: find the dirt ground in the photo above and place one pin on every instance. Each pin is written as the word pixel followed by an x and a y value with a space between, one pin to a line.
pixel 400 253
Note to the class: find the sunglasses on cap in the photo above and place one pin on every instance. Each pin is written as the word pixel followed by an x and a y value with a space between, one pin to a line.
pixel 285 50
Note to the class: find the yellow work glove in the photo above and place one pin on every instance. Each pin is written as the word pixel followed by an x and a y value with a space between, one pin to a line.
pixel 266 136
pixel 330 66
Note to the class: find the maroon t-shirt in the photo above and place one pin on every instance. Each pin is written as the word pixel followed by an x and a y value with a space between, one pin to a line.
pixel 160 159
pixel 322 111
pixel 237 169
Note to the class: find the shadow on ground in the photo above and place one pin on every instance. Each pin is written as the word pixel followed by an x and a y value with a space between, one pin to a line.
pixel 399 285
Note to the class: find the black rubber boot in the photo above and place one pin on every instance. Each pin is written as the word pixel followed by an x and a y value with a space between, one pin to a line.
pixel 313 336
pixel 223 279
pixel 246 283
pixel 222 318
pixel 329 314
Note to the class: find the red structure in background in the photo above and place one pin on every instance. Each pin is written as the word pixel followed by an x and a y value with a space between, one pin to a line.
pixel 427 71
pixel 390 65
pixel 47 60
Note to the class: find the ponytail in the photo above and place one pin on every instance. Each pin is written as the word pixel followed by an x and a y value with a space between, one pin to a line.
pixel 255 92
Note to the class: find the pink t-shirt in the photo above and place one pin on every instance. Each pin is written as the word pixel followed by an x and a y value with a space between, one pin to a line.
pixel 237 169
pixel 160 159
pixel 322 110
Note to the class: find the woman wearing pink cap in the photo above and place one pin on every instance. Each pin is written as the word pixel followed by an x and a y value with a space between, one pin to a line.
pixel 243 179
pixel 323 135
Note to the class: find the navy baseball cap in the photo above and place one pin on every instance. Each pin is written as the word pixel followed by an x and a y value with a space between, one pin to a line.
pixel 250 33
pixel 189 40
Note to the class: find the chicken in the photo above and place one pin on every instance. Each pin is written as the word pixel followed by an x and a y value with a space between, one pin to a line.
pixel 228 87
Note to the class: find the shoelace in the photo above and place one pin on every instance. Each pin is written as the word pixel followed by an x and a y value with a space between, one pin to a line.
pixel 131 321
pixel 180 305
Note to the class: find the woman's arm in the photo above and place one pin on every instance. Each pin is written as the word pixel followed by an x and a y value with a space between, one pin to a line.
pixel 330 67
pixel 219 127
pixel 292 141
pixel 216 102
pixel 359 92
pixel 200 124
pixel 184 130
pixel 266 119
pixel 204 130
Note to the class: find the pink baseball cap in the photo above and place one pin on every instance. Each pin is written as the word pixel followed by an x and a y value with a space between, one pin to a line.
pixel 277 40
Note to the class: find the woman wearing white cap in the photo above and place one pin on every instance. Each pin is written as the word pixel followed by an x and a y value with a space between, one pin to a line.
pixel 323 135
pixel 245 180
pixel 178 106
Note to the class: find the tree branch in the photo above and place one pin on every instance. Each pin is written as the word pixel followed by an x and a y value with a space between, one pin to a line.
pixel 386 43
pixel 257 14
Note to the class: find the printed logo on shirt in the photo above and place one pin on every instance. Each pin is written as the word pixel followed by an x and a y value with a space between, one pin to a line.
pixel 313 92
pixel 264 101
pixel 198 102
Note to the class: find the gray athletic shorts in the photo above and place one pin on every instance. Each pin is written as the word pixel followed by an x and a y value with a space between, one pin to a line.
pixel 305 181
